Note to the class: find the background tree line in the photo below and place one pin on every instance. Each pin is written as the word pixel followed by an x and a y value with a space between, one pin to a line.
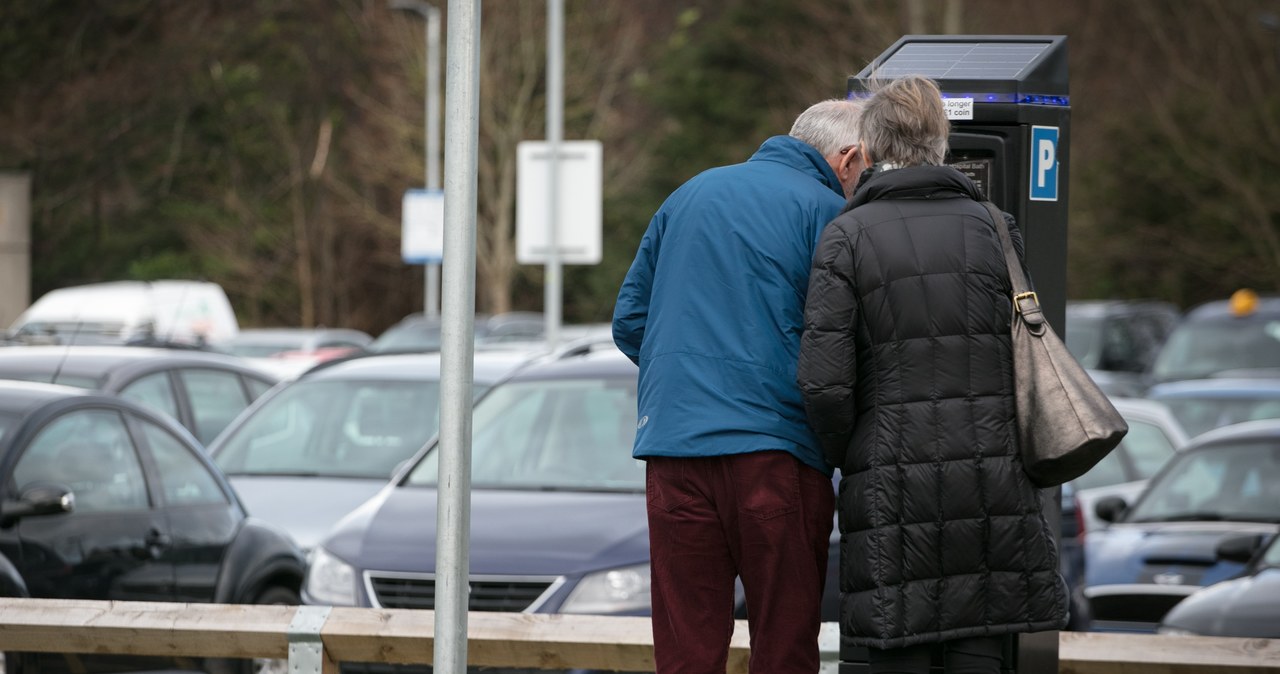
pixel 267 145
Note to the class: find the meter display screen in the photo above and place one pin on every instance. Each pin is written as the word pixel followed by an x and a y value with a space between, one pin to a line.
pixel 977 169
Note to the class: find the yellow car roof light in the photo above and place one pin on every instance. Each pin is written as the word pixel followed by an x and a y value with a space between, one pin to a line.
pixel 1243 302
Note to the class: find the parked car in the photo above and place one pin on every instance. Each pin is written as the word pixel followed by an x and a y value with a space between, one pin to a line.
pixel 288 352
pixel 1244 607
pixel 105 499
pixel 1157 552
pixel 417 333
pixel 1205 404
pixel 321 445
pixel 121 312
pixel 1117 340
pixel 203 391
pixel 268 342
pixel 558 516
pixel 1241 333
pixel 1154 437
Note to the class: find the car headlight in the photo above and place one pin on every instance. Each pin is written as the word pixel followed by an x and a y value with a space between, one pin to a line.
pixel 330 581
pixel 613 591
pixel 1175 631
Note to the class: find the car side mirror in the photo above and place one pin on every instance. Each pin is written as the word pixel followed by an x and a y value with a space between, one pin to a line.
pixel 1110 508
pixel 1239 548
pixel 39 499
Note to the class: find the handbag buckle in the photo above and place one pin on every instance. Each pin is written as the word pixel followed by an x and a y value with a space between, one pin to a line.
pixel 1017 300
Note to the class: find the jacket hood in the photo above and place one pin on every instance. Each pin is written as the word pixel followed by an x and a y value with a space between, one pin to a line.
pixel 800 156
pixel 913 182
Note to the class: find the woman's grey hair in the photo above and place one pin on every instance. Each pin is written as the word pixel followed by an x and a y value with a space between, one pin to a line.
pixel 903 122
pixel 829 126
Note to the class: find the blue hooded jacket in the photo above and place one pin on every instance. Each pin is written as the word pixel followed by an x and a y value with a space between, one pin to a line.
pixel 713 307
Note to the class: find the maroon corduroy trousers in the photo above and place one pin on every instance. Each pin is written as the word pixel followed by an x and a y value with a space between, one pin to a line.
pixel 763 516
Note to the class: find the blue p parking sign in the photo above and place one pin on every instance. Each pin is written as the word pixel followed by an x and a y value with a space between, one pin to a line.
pixel 1044 163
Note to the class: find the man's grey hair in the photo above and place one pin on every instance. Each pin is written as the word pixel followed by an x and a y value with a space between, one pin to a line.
pixel 829 126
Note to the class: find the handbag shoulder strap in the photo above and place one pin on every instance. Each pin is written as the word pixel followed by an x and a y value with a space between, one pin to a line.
pixel 1025 302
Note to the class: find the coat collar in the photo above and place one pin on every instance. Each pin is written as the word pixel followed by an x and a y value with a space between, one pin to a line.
pixel 801 156
pixel 913 182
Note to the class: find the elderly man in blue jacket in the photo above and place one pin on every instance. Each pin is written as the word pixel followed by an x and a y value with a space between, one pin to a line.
pixel 712 310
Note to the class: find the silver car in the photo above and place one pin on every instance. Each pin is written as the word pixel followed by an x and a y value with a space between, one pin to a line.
pixel 313 450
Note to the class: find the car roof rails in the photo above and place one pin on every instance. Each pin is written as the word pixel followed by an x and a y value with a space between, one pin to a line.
pixel 582 346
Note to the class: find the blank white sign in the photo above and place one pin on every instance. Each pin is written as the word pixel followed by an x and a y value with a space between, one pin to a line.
pixel 422 227
pixel 581 207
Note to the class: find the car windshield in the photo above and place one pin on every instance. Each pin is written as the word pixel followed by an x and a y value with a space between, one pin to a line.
pixel 1145 448
pixel 1084 340
pixel 408 337
pixel 1272 556
pixel 360 429
pixel 1198 350
pixel 1235 482
pixel 1200 414
pixel 563 434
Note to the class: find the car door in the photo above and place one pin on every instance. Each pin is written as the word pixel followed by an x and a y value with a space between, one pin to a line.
pixel 203 519
pixel 156 390
pixel 111 545
pixel 215 397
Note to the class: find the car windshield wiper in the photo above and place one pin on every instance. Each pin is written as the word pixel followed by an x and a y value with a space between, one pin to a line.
pixel 275 473
pixel 1194 516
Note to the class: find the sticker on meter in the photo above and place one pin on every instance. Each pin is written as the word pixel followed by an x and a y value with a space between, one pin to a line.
pixel 958 108
pixel 1044 163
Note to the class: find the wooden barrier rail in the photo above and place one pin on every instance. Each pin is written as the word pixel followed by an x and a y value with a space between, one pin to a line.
pixel 494 639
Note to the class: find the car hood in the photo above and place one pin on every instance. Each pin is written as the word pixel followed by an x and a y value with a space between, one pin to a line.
pixel 305 507
pixel 1137 553
pixel 1245 607
pixel 549 533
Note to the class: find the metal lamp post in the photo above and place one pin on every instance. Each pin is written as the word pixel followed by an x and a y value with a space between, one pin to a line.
pixel 431 14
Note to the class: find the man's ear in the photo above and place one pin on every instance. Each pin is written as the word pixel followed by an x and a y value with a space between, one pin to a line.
pixel 851 161
pixel 858 159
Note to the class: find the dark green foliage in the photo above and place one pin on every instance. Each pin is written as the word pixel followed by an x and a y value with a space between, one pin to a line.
pixel 266 145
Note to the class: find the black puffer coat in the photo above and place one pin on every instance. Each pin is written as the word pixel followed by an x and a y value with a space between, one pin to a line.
pixel 906 369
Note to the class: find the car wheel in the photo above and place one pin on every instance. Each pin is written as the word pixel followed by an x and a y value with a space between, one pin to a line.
pixel 278 595
pixel 273 595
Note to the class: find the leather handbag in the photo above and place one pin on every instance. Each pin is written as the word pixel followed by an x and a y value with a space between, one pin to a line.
pixel 1066 424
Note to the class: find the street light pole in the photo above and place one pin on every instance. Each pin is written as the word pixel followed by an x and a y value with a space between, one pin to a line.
pixel 553 295
pixel 431 13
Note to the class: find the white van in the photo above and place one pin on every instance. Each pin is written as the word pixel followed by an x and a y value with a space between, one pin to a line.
pixel 180 312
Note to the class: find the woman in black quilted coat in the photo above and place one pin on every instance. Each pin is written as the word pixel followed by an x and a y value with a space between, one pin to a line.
pixel 906 368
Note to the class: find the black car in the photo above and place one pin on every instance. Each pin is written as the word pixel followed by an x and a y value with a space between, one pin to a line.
pixel 1117 340
pixel 203 391
pixel 105 499
pixel 1244 607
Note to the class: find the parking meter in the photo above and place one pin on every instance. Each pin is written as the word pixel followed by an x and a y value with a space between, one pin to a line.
pixel 1006 97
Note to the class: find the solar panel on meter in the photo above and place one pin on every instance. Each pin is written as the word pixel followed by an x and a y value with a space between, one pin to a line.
pixel 987 68
pixel 982 60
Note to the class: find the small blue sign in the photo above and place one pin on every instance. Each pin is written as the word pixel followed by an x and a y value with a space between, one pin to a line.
pixel 1044 163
